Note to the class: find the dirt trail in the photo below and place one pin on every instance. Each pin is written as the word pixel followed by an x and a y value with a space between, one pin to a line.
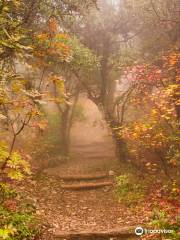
pixel 92 151
pixel 91 144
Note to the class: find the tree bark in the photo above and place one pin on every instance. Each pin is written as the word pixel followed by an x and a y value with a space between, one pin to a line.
pixel 67 117
pixel 64 131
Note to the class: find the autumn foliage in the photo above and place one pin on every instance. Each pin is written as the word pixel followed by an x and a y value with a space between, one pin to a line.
pixel 156 96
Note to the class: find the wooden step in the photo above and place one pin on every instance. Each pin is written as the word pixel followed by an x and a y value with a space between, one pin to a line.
pixel 84 177
pixel 86 186
pixel 122 233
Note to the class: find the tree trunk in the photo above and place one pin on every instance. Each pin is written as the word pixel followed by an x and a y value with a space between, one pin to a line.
pixel 65 131
pixel 104 73
pixel 164 164
pixel 120 144
pixel 66 124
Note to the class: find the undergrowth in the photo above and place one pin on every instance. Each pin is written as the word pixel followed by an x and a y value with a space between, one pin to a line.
pixel 127 191
pixel 17 220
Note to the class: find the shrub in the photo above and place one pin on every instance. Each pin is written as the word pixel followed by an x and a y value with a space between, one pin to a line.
pixel 127 191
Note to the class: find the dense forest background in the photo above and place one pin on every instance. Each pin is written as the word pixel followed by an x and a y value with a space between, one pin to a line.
pixel 122 55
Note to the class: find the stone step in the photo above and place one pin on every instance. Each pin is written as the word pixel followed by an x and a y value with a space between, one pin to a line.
pixel 86 186
pixel 84 177
pixel 114 234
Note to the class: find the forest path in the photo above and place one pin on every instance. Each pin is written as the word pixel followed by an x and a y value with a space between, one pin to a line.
pixel 91 149
pixel 92 152
pixel 90 210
